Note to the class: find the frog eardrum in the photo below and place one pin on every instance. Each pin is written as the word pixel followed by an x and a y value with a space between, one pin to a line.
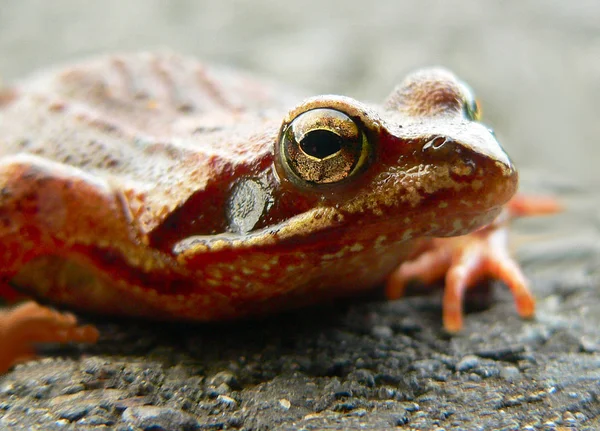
pixel 323 146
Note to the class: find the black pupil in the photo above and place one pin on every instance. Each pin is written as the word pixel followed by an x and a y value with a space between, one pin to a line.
pixel 321 143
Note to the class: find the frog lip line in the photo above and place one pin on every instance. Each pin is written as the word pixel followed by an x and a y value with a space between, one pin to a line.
pixel 201 241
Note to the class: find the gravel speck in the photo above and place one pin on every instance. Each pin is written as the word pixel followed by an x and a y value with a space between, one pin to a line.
pixel 73 413
pixel 510 373
pixel 382 332
pixel 467 363
pixel 159 419
pixel 228 401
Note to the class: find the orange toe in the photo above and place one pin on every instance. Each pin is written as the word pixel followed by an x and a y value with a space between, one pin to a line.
pixel 427 268
pixel 522 205
pixel 29 324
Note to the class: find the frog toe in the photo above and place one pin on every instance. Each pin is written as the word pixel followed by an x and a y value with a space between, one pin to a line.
pixel 30 324
pixel 427 268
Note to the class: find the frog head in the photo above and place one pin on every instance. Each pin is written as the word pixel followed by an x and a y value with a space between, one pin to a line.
pixel 422 161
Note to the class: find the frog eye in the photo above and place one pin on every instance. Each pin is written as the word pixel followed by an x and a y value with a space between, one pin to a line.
pixel 323 146
pixel 471 107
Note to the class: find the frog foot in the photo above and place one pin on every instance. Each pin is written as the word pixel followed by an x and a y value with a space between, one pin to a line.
pixel 28 324
pixel 466 260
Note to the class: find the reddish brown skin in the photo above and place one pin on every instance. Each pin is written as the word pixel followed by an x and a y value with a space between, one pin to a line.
pixel 116 178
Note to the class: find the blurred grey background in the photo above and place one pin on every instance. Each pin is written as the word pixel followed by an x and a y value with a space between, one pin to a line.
pixel 534 64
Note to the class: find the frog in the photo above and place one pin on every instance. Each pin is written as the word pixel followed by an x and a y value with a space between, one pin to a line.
pixel 151 185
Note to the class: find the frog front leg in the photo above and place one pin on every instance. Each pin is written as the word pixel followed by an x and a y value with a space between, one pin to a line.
pixel 47 208
pixel 466 260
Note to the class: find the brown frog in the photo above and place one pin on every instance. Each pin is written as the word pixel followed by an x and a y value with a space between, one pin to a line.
pixel 151 185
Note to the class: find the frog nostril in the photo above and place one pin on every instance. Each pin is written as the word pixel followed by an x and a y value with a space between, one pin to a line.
pixel 436 143
pixel 441 148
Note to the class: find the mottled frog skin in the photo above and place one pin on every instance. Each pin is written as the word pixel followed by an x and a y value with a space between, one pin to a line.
pixel 153 185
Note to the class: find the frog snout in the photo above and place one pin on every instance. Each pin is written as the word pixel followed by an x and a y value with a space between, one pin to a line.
pixel 479 162
pixel 491 173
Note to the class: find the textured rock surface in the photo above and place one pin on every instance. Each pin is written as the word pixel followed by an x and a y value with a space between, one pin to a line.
pixel 365 364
